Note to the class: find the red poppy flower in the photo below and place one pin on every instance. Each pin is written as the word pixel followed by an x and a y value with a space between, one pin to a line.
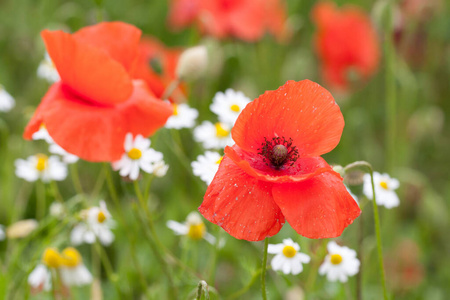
pixel 274 171
pixel 156 65
pixel 276 19
pixel 183 12
pixel 89 111
pixel 346 41
pixel 248 20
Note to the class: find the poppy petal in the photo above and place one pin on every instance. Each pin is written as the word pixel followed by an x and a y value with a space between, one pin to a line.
pixel 93 133
pixel 143 112
pixel 320 207
pixel 97 133
pixel 247 22
pixel 303 111
pixel 38 118
pixel 183 12
pixel 303 168
pixel 88 71
pixel 118 39
pixel 242 205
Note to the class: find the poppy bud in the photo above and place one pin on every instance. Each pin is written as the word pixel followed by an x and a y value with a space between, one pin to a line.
pixel 21 228
pixel 192 63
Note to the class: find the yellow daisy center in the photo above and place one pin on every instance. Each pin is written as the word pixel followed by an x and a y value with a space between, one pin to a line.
pixel 289 251
pixel 220 131
pixel 196 231
pixel 336 259
pixel 51 258
pixel 71 258
pixel 101 217
pixel 235 108
pixel 219 160
pixel 175 110
pixel 134 153
pixel 42 162
pixel 384 185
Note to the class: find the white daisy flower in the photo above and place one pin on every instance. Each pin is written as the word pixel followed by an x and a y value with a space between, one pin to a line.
pixel 160 168
pixel 227 106
pixel 40 279
pixel 2 233
pixel 47 70
pixel 193 228
pixel 340 263
pixel 42 134
pixel 138 155
pixel 73 272
pixel 40 166
pixel 213 136
pixel 183 117
pixel 96 224
pixel 206 166
pixel 287 257
pixel 384 189
pixel 66 157
pixel 57 210
pixel 6 100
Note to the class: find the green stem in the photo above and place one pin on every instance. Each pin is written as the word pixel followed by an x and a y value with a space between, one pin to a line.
pixel 99 182
pixel 124 224
pixel 360 255
pixel 56 192
pixel 147 186
pixel 169 255
pixel 159 248
pixel 376 217
pixel 244 290
pixel 263 272
pixel 96 268
pixel 311 281
pixel 76 178
pixel 110 184
pixel 54 283
pixel 348 292
pixel 170 89
pixel 40 200
pixel 214 256
pixel 391 106
pixel 108 267
pixel 99 10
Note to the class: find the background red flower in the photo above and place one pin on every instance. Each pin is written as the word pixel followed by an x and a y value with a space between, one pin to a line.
pixel 156 65
pixel 96 102
pixel 346 41
pixel 248 20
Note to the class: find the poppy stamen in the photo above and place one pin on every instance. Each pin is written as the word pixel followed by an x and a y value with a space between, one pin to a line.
pixel 279 152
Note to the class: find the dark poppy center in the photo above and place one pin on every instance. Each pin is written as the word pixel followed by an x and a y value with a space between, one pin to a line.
pixel 278 152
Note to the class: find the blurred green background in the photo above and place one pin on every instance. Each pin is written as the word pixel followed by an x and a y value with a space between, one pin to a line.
pixel 415 234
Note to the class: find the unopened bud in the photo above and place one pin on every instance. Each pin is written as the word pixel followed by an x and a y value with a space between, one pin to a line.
pixel 160 169
pixel 339 169
pixel 192 63
pixel 21 229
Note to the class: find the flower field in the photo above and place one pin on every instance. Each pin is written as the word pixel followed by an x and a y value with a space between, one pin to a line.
pixel 224 149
